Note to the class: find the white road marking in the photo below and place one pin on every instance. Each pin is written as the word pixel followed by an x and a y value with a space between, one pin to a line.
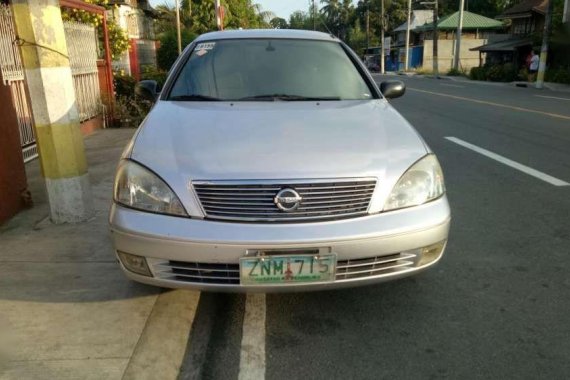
pixel 552 97
pixel 452 85
pixel 252 357
pixel 525 169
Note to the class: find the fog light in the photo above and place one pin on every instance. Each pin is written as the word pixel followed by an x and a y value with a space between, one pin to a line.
pixel 134 263
pixel 431 253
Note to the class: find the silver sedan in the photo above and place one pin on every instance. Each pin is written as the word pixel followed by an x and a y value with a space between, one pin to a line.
pixel 271 161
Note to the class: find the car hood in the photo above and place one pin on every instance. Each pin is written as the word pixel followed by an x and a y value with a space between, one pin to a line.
pixel 184 141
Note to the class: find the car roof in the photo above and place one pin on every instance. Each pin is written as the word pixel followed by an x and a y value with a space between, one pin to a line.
pixel 267 33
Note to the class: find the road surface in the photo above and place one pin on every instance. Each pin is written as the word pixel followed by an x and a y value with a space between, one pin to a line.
pixel 496 306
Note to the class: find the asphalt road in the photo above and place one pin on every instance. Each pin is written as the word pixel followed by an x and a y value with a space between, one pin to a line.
pixel 497 306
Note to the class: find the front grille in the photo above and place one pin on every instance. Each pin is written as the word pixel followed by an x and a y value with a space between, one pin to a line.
pixel 228 274
pixel 201 273
pixel 373 266
pixel 254 202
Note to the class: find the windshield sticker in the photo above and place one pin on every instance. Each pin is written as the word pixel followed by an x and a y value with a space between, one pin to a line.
pixel 204 47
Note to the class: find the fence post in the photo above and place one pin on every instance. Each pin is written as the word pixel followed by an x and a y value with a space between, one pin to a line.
pixel 46 63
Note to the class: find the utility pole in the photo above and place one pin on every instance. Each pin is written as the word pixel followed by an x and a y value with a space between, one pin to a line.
pixel 218 11
pixel 54 108
pixel 457 60
pixel 407 59
pixel 382 38
pixel 367 25
pixel 435 40
pixel 178 32
pixel 544 49
pixel 314 16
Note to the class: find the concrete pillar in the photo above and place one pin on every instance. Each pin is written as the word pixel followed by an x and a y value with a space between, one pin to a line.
pixel 59 139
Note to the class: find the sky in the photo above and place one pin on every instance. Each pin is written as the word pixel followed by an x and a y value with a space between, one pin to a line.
pixel 284 8
pixel 281 8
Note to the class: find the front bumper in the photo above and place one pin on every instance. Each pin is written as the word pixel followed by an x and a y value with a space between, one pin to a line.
pixel 167 241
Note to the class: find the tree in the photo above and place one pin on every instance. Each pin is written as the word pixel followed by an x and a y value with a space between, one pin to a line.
pixel 279 23
pixel 168 50
pixel 300 20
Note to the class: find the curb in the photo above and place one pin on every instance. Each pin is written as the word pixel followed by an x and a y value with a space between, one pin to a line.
pixel 161 348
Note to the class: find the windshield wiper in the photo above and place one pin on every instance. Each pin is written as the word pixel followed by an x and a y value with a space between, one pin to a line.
pixel 194 97
pixel 287 97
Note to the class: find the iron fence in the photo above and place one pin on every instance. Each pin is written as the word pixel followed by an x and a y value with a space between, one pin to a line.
pixel 82 48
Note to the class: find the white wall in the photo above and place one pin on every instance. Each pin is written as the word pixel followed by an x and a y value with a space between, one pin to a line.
pixel 446 51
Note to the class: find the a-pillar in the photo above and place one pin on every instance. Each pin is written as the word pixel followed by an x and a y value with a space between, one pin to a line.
pixel 48 75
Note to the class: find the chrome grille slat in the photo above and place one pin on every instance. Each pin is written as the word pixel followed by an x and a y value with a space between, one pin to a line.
pixel 359 268
pixel 282 219
pixel 375 260
pixel 272 213
pixel 263 207
pixel 215 273
pixel 253 201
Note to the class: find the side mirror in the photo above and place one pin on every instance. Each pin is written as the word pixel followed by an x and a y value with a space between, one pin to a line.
pixel 147 90
pixel 392 89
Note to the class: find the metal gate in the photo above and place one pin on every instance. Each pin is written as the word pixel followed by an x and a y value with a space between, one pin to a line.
pixel 82 48
pixel 13 74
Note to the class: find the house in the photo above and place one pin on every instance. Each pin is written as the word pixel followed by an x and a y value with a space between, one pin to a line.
pixel 418 18
pixel 522 20
pixel 136 18
pixel 477 30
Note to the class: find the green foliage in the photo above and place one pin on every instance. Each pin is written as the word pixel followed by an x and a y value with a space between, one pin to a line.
pixel 124 84
pixel 167 53
pixel 131 111
pixel 279 23
pixel 356 38
pixel 151 73
pixel 455 72
pixel 478 73
pixel 495 73
pixel 523 74
pixel 118 39
pixel 560 75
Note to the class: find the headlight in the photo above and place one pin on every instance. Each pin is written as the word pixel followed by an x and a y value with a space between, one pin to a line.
pixel 421 183
pixel 141 189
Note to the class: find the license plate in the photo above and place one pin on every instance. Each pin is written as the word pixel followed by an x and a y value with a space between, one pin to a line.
pixel 288 269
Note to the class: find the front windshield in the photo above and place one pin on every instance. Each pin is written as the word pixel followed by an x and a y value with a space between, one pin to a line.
pixel 269 69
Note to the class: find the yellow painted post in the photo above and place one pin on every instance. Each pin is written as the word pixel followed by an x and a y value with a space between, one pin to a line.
pixel 48 75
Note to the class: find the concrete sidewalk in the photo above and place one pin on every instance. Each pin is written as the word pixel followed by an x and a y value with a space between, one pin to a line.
pixel 66 310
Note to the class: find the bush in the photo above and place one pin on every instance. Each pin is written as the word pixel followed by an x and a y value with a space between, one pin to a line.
pixel 424 71
pixel 152 73
pixel 509 73
pixel 523 74
pixel 478 73
pixel 495 73
pixel 167 53
pixel 130 111
pixel 124 84
pixel 560 75
pixel 455 72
